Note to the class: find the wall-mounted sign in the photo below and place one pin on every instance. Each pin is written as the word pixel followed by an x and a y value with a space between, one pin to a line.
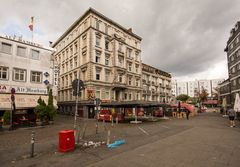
pixel 22 90
pixel 3 88
pixel 90 94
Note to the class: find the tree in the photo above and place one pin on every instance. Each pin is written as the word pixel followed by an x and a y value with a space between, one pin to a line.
pixel 203 95
pixel 183 97
pixel 41 109
pixel 50 107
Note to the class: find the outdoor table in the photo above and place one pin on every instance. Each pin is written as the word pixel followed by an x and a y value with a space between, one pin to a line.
pixel 23 122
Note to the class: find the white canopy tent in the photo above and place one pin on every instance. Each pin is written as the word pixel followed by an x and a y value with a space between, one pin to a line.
pixel 237 103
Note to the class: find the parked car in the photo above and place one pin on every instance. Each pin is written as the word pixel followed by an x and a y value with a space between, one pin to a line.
pixel 158 113
pixel 107 115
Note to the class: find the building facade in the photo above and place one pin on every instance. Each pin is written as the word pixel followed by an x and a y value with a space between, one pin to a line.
pixel 192 88
pixel 28 68
pixel 233 57
pixel 156 84
pixel 105 56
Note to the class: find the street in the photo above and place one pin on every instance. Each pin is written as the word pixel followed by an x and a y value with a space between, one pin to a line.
pixel 204 140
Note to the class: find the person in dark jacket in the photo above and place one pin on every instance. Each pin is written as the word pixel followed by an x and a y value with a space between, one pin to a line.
pixel 187 113
pixel 231 115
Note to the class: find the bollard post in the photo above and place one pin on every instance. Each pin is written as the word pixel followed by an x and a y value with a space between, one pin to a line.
pixel 96 128
pixel 104 126
pixel 108 137
pixel 112 121
pixel 116 120
pixel 32 144
pixel 78 134
pixel 84 129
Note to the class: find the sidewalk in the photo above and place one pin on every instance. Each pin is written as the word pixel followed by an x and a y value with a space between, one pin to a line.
pixel 204 140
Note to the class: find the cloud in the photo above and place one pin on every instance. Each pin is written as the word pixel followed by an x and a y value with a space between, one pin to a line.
pixel 186 38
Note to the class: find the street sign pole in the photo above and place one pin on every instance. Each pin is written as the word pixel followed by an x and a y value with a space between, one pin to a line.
pixel 76 109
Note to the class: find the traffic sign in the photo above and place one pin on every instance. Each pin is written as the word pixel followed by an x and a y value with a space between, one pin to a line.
pixel 97 102
pixel 77 86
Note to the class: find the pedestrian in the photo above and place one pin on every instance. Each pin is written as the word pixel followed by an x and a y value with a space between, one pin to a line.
pixel 231 115
pixel 187 113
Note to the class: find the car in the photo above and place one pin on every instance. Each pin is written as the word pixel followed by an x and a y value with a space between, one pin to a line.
pixel 107 115
pixel 158 113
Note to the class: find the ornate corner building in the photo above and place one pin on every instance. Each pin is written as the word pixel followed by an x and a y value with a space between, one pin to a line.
pixel 105 56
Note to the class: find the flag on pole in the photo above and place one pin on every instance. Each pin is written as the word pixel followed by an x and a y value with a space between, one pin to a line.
pixel 31 24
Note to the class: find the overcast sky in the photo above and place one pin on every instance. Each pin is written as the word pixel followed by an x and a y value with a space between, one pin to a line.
pixel 183 37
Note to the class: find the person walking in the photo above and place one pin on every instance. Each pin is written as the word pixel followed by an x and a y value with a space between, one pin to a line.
pixel 231 115
pixel 187 114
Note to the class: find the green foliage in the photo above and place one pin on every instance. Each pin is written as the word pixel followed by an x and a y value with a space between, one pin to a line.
pixel 6 117
pixel 183 97
pixel 203 95
pixel 50 107
pixel 41 109
pixel 45 112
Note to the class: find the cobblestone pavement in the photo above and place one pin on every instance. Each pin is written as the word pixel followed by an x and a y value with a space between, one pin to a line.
pixel 205 140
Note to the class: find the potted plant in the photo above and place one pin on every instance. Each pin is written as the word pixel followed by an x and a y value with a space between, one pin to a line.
pixel 40 111
pixel 6 119
pixel 51 110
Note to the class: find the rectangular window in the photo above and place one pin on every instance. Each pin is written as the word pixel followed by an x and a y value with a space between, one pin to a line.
pixel 137 82
pixel 21 51
pixel 130 81
pixel 130 96
pixel 107 60
pixel 75 48
pixel 136 55
pixel 98 57
pixel 75 62
pixel 120 47
pixel 6 48
pixel 130 66
pixel 98 93
pixel 125 96
pixel 136 67
pixel 107 76
pixel 71 51
pixel 35 54
pixel 84 40
pixel 3 73
pixel 98 40
pixel 129 53
pixel 106 28
pixel 97 24
pixel 120 61
pixel 71 64
pixel 98 74
pixel 106 44
pixel 19 74
pixel 36 76
pixel 120 78
pixel 107 95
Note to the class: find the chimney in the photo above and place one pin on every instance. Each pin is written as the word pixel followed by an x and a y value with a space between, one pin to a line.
pixel 50 43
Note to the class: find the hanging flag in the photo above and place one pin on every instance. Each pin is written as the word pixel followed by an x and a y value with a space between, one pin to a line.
pixel 31 24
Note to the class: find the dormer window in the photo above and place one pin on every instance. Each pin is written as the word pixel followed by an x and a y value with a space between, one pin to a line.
pixel 236 27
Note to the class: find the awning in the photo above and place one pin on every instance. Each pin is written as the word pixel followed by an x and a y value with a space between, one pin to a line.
pixel 22 101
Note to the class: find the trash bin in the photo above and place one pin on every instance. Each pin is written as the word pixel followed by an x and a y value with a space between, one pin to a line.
pixel 66 140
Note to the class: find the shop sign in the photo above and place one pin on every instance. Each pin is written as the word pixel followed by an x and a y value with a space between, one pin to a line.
pixel 25 90
pixel 90 94
pixel 3 89
pixel 29 90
